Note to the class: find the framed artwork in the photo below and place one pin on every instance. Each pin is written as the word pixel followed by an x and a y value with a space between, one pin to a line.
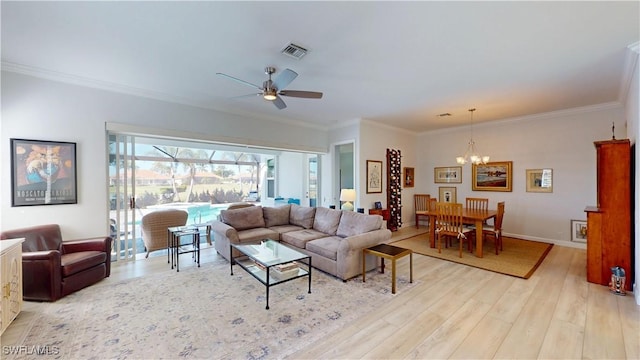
pixel 43 172
pixel 539 180
pixel 579 231
pixel 374 176
pixel 451 174
pixel 447 194
pixel 493 176
pixel 409 177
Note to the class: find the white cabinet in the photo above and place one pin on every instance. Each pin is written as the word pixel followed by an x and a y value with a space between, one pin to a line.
pixel 11 284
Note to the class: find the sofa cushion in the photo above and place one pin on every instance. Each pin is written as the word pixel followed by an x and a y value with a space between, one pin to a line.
pixel 302 216
pixel 281 229
pixel 353 223
pixel 274 216
pixel 245 218
pixel 76 262
pixel 301 237
pixel 325 247
pixel 327 220
pixel 256 234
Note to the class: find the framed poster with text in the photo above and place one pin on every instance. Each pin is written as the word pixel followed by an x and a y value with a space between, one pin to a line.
pixel 43 172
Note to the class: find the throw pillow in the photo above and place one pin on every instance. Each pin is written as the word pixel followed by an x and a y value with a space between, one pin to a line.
pixel 274 216
pixel 302 216
pixel 327 220
pixel 353 223
pixel 245 218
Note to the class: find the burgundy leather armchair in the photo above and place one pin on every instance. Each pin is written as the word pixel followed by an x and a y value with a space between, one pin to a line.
pixel 52 268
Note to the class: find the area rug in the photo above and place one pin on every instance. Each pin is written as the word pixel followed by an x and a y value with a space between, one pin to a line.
pixel 202 313
pixel 519 258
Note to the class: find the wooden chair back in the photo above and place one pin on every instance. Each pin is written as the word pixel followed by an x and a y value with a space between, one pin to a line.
pixel 421 205
pixel 421 202
pixel 449 219
pixel 432 204
pixel 449 224
pixel 477 203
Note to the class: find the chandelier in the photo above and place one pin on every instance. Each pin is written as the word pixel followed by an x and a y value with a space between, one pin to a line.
pixel 472 154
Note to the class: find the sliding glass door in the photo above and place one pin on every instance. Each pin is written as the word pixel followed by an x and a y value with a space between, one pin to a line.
pixel 122 203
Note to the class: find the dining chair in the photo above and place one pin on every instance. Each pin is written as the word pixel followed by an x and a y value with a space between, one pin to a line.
pixel 477 203
pixel 449 224
pixel 421 205
pixel 495 230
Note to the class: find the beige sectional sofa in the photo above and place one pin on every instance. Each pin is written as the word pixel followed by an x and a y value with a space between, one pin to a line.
pixel 333 238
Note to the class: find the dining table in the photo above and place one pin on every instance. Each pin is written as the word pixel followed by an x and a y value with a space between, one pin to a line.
pixel 469 216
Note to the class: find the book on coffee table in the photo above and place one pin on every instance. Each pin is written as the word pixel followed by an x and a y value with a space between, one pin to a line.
pixel 285 270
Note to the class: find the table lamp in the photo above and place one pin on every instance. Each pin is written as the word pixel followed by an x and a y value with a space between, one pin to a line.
pixel 347 195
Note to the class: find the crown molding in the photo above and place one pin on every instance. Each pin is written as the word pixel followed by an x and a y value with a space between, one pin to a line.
pixel 344 124
pixel 140 92
pixel 535 117
pixel 388 127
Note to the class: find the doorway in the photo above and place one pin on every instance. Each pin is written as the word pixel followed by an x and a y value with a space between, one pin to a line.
pixel 344 169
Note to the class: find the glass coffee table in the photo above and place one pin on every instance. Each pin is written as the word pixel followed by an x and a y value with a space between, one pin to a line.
pixel 271 262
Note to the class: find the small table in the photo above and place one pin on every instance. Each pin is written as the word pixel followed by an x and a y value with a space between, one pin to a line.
pixel 393 253
pixel 264 260
pixel 174 244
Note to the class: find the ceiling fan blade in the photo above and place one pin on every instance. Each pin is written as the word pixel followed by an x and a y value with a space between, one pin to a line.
pixel 285 78
pixel 245 96
pixel 301 94
pixel 279 103
pixel 240 81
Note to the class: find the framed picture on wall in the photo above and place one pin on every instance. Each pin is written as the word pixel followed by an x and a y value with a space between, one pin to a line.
pixel 493 176
pixel 374 176
pixel 447 194
pixel 539 180
pixel 409 177
pixel 43 172
pixel 452 174
pixel 579 231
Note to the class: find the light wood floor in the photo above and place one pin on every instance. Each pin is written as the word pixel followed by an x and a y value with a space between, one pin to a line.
pixel 459 312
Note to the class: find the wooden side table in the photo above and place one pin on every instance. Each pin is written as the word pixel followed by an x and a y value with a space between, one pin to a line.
pixel 393 253
pixel 385 216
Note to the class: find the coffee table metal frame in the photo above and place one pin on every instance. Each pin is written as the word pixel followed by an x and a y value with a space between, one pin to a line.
pixel 260 259
pixel 390 252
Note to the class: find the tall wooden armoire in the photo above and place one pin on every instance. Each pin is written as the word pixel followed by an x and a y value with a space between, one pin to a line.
pixel 609 222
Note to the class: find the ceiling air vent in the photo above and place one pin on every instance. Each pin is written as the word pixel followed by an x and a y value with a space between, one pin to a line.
pixel 295 51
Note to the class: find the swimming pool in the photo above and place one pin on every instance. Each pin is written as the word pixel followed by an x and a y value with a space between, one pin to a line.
pixel 198 213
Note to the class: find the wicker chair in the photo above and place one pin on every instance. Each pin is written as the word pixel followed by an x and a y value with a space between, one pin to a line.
pixel 155 225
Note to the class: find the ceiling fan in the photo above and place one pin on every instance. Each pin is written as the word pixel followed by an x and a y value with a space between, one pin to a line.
pixel 271 90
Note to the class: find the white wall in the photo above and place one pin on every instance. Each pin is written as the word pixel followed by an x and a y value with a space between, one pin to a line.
pixel 34 108
pixel 562 141
pixel 375 139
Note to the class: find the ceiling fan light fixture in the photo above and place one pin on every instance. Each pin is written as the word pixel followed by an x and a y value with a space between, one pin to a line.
pixel 270 95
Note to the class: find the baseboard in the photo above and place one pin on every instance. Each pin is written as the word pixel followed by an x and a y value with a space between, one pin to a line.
pixel 549 241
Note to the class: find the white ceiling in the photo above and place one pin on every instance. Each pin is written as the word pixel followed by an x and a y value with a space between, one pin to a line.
pixel 400 63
